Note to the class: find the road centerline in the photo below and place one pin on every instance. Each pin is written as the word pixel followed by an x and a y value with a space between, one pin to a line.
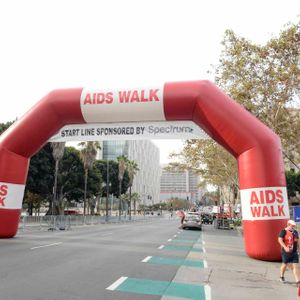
pixel 44 246
pixel 106 234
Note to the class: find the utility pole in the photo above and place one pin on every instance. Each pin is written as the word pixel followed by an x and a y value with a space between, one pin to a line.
pixel 107 190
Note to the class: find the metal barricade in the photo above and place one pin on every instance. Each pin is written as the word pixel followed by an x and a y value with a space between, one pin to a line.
pixel 66 222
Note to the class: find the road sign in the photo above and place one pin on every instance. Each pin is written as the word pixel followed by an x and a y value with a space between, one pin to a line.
pixel 297 213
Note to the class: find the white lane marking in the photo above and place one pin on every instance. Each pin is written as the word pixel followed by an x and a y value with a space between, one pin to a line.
pixel 116 283
pixel 169 240
pixel 205 263
pixel 200 243
pixel 147 259
pixel 44 246
pixel 207 291
pixel 175 235
pixel 105 234
pixel 160 247
pixel 204 251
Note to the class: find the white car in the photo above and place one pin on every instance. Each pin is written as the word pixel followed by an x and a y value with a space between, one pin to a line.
pixel 192 220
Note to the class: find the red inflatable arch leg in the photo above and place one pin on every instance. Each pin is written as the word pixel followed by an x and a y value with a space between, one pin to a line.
pixel 256 148
pixel 13 174
pixel 21 141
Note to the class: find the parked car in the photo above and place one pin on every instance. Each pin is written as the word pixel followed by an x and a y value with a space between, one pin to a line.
pixel 192 220
pixel 72 212
pixel 224 223
pixel 207 218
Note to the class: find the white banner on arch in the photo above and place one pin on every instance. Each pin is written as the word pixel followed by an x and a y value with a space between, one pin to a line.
pixel 130 131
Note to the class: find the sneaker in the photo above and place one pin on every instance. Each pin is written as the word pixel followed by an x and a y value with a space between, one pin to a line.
pixel 281 279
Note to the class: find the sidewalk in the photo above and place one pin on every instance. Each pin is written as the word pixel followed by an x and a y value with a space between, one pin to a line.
pixel 233 275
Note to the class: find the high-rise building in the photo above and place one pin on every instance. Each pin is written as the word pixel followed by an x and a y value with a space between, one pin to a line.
pixel 112 149
pixel 147 180
pixel 179 184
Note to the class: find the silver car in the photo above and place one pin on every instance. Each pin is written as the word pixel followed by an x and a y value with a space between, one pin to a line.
pixel 192 220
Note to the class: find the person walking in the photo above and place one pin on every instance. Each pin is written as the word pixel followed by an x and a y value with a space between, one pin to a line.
pixel 288 240
pixel 180 214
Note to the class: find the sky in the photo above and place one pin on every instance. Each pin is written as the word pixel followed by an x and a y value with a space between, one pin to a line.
pixel 47 45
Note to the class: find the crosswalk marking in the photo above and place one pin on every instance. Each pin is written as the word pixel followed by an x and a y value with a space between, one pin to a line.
pixel 161 288
pixel 147 259
pixel 117 283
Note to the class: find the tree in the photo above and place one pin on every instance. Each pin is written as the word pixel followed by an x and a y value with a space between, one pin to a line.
pixel 176 204
pixel 113 181
pixel 71 176
pixel 113 178
pixel 265 79
pixel 212 162
pixel 4 126
pixel 57 152
pixel 136 199
pixel 94 183
pixel 88 155
pixel 292 183
pixel 41 176
pixel 33 201
pixel 70 179
pixel 132 168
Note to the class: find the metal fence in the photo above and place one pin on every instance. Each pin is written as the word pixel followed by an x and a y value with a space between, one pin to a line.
pixel 69 221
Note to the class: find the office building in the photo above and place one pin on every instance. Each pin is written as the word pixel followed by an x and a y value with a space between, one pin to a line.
pixel 147 180
pixel 179 184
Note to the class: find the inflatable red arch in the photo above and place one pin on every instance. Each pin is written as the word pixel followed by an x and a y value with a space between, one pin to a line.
pixel 256 147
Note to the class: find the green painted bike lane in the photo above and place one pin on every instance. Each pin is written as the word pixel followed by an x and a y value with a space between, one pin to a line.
pixel 161 288
pixel 181 248
pixel 157 260
pixel 166 288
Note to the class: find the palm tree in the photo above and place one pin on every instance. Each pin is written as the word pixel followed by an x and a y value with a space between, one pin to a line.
pixel 122 160
pixel 132 168
pixel 136 199
pixel 88 155
pixel 58 149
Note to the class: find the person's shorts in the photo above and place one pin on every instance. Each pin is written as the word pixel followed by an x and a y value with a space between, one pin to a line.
pixel 290 258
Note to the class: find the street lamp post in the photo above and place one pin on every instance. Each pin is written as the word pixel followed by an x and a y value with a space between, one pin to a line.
pixel 129 203
pixel 172 201
pixel 144 195
pixel 111 203
pixel 102 193
pixel 107 191
pixel 150 200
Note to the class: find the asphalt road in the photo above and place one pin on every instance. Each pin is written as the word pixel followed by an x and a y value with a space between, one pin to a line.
pixel 105 262
pixel 81 264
